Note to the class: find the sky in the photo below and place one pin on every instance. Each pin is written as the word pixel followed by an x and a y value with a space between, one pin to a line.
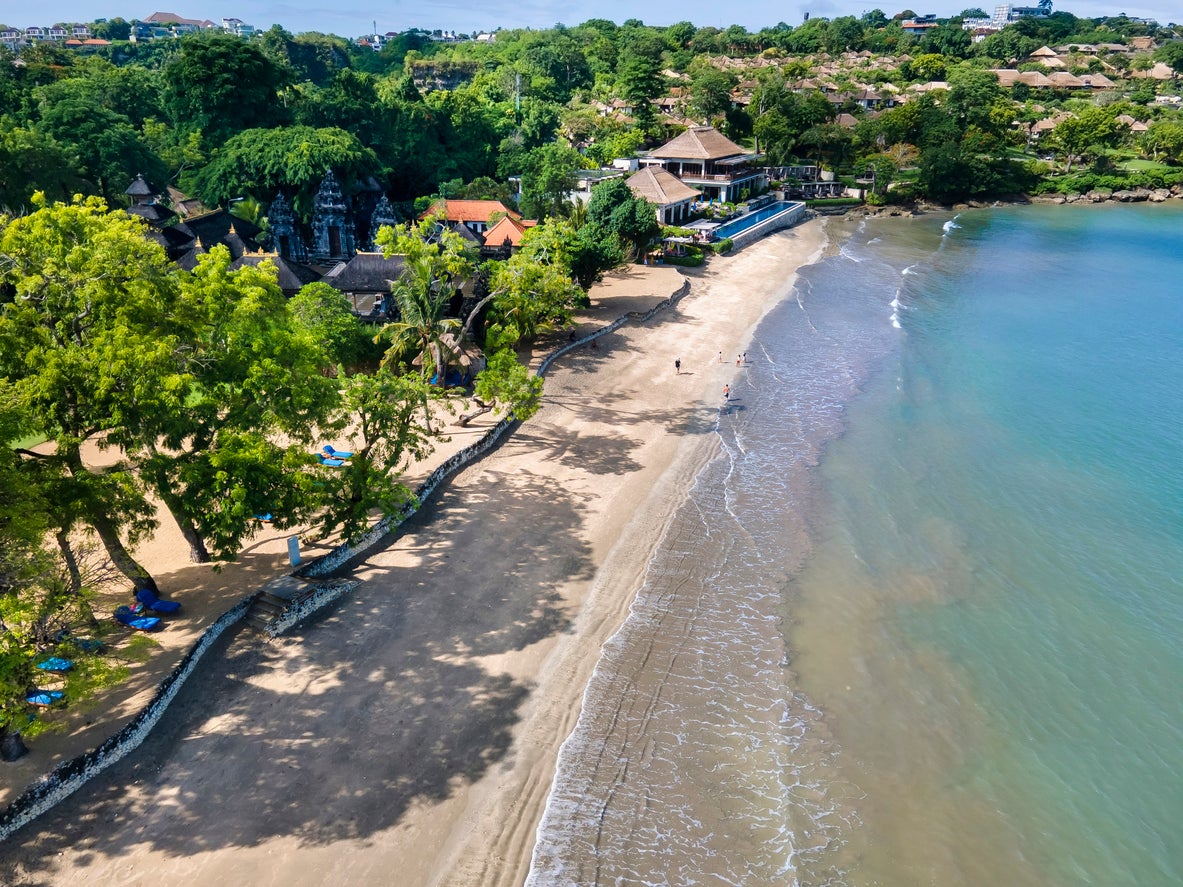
pixel 352 18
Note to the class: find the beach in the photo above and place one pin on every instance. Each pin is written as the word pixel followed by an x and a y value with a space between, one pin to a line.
pixel 410 732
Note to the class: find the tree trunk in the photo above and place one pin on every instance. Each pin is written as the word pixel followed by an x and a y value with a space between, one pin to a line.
pixel 70 561
pixel 468 417
pixel 198 553
pixel 120 556
pixel 109 535
pixel 12 746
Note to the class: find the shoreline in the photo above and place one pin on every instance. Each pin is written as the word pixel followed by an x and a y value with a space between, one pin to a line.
pixel 598 472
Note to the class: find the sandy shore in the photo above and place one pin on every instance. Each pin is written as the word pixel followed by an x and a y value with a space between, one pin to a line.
pixel 409 734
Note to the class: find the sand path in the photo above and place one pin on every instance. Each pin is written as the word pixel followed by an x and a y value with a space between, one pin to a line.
pixel 408 735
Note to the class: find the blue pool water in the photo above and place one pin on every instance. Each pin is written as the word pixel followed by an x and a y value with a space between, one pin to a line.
pixel 738 226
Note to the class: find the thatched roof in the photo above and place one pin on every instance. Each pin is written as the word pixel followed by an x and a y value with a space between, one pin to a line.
pixel 292 275
pixel 660 187
pixel 366 273
pixel 698 143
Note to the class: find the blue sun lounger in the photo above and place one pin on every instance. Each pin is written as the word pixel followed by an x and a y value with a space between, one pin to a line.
pixel 55 663
pixel 44 697
pixel 336 454
pixel 126 616
pixel 332 463
pixel 146 597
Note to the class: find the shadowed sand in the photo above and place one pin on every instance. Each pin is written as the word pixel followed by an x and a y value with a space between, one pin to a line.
pixel 408 735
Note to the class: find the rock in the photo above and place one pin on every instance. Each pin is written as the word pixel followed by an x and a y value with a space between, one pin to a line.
pixel 1158 195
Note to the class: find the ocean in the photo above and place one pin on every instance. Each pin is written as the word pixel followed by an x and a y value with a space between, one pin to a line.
pixel 918 619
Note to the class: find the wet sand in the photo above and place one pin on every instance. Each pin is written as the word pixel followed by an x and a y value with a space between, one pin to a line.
pixel 409 733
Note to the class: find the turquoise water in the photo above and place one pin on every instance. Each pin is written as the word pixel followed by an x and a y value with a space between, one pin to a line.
pixel 1003 541
pixel 918 622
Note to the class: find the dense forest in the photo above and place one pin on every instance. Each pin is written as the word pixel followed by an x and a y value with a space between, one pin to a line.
pixel 212 385
pixel 225 118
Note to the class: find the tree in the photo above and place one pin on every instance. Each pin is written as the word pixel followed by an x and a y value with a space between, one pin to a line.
pixel 109 147
pixel 533 289
pixel 1164 138
pixel 259 162
pixel 505 385
pixel 614 208
pixel 1086 133
pixel 710 91
pixel 44 595
pixel 1171 54
pixel 548 176
pixel 89 348
pixel 327 315
pixel 235 446
pixel 383 408
pixel 33 161
pixel 222 85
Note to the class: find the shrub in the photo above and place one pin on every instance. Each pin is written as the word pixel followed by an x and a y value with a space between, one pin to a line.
pixel 723 246
pixel 692 261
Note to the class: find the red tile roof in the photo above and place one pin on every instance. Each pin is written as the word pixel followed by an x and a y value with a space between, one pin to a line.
pixel 468 210
pixel 508 228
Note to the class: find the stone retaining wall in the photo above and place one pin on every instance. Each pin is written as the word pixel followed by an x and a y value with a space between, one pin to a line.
pixel 787 219
pixel 69 776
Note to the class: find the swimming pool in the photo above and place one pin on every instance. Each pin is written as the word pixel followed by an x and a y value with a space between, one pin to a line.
pixel 738 226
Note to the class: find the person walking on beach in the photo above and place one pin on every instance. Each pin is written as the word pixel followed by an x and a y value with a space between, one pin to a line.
pixel 720 357
pixel 678 367
pixel 726 392
pixel 738 359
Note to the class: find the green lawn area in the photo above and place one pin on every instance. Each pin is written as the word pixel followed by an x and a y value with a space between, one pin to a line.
pixel 29 441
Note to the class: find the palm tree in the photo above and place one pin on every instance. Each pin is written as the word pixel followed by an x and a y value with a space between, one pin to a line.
pixel 421 294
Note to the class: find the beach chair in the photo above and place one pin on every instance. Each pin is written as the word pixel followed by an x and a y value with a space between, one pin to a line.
pixel 332 463
pixel 44 698
pixel 55 663
pixel 127 616
pixel 336 454
pixel 151 602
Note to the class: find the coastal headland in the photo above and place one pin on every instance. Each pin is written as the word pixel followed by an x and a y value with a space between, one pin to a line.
pixel 409 733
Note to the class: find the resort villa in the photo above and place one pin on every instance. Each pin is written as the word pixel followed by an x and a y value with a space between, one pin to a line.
pixel 674 199
pixel 704 158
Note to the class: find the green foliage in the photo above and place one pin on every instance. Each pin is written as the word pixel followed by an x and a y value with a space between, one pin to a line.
pixel 327 316
pixel 32 161
pixel 507 384
pixel 257 376
pixel 722 247
pixel 222 85
pixel 385 409
pixel 615 209
pixel 548 176
pixel 259 162
pixel 533 290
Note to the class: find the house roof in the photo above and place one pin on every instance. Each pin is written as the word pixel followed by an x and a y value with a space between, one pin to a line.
pixel 698 143
pixel 1097 81
pixel 1065 80
pixel 508 229
pixel 292 276
pixel 1043 52
pixel 139 188
pixel 366 273
pixel 659 187
pixel 468 210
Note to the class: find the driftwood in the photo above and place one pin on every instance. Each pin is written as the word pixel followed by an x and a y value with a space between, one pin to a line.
pixel 468 417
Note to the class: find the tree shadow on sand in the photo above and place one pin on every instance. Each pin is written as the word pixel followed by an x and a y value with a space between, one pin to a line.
pixel 334 732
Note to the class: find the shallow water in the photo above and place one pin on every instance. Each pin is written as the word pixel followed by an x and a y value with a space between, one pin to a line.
pixel 916 622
